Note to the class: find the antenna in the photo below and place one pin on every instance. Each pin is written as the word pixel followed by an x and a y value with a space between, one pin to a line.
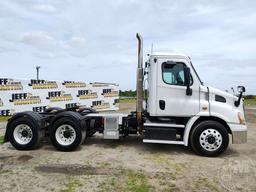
pixel 232 88
pixel 152 46
pixel 37 72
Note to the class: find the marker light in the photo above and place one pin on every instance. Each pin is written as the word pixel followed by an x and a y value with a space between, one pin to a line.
pixel 240 118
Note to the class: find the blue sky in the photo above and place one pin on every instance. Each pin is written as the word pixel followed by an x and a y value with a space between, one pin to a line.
pixel 95 40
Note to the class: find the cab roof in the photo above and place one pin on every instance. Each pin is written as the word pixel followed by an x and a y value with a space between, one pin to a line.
pixel 163 54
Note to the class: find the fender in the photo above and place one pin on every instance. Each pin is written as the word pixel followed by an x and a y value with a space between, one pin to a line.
pixel 73 115
pixel 35 117
pixel 213 114
pixel 188 127
pixel 192 121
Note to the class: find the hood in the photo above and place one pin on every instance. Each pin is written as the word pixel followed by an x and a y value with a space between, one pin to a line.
pixel 222 93
pixel 224 105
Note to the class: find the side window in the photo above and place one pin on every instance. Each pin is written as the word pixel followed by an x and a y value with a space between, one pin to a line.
pixel 173 74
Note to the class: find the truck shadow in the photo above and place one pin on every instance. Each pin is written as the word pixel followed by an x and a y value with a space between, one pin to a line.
pixel 136 142
pixel 123 144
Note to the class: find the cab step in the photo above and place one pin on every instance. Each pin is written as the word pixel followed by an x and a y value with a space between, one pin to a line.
pixel 163 141
pixel 153 124
pixel 162 133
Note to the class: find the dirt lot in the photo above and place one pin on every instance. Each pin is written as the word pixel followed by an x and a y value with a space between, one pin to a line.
pixel 129 165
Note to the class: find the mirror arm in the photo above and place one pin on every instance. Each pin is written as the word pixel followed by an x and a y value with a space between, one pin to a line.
pixel 188 90
pixel 237 103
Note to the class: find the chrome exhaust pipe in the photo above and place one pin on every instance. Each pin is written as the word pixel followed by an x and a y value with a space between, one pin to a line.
pixel 139 101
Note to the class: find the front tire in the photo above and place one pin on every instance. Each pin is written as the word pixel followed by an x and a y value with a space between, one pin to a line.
pixel 67 134
pixel 209 138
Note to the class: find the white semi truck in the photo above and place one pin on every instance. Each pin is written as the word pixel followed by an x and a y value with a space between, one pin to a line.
pixel 179 110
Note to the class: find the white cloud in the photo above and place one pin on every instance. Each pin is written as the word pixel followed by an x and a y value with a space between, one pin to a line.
pixel 38 38
pixel 50 47
pixel 92 34
pixel 77 40
pixel 46 8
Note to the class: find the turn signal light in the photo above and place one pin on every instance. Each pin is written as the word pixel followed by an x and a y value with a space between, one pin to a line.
pixel 240 118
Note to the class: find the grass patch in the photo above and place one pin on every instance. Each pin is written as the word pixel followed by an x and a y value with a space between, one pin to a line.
pixel 128 181
pixel 203 184
pixel 72 185
pixel 250 102
pixel 1 139
pixel 161 159
pixel 104 164
pixel 157 158
pixel 167 175
pixel 127 100
pixel 3 171
pixel 167 181
pixel 136 182
pixel 113 144
pixel 109 184
pixel 170 187
pixel 4 118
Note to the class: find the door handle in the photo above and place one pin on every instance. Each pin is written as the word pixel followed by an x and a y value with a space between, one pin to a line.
pixel 162 104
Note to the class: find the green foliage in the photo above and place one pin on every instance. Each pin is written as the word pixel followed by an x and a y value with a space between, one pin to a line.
pixel 4 118
pixel 130 181
pixel 72 185
pixel 129 93
pixel 249 97
pixel 1 139
pixel 5 171
pixel 203 184
pixel 250 102
pixel 127 100
pixel 136 182
pixel 109 184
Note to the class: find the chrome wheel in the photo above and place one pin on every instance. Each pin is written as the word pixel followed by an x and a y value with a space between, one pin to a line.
pixel 65 134
pixel 22 134
pixel 210 139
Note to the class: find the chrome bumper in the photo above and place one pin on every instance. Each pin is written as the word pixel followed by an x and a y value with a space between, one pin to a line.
pixel 239 133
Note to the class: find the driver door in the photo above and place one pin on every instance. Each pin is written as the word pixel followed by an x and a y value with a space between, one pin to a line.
pixel 171 90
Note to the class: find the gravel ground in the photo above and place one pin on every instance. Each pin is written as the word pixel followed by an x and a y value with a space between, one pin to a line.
pixel 129 165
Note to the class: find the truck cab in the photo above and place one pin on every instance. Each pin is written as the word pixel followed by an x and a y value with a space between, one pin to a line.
pixel 178 98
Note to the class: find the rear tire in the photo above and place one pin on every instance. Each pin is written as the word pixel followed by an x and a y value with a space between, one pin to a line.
pixel 24 133
pixel 209 138
pixel 67 134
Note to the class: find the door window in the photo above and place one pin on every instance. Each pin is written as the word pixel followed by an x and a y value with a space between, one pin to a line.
pixel 173 74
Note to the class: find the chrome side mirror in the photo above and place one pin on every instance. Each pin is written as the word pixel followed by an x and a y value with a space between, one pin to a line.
pixel 241 90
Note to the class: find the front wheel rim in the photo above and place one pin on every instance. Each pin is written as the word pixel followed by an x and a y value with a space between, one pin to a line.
pixel 65 134
pixel 22 134
pixel 210 139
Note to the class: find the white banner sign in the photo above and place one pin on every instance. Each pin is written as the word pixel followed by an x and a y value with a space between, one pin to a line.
pixel 38 95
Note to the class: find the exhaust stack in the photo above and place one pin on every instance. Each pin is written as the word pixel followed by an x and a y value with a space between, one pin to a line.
pixel 139 101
